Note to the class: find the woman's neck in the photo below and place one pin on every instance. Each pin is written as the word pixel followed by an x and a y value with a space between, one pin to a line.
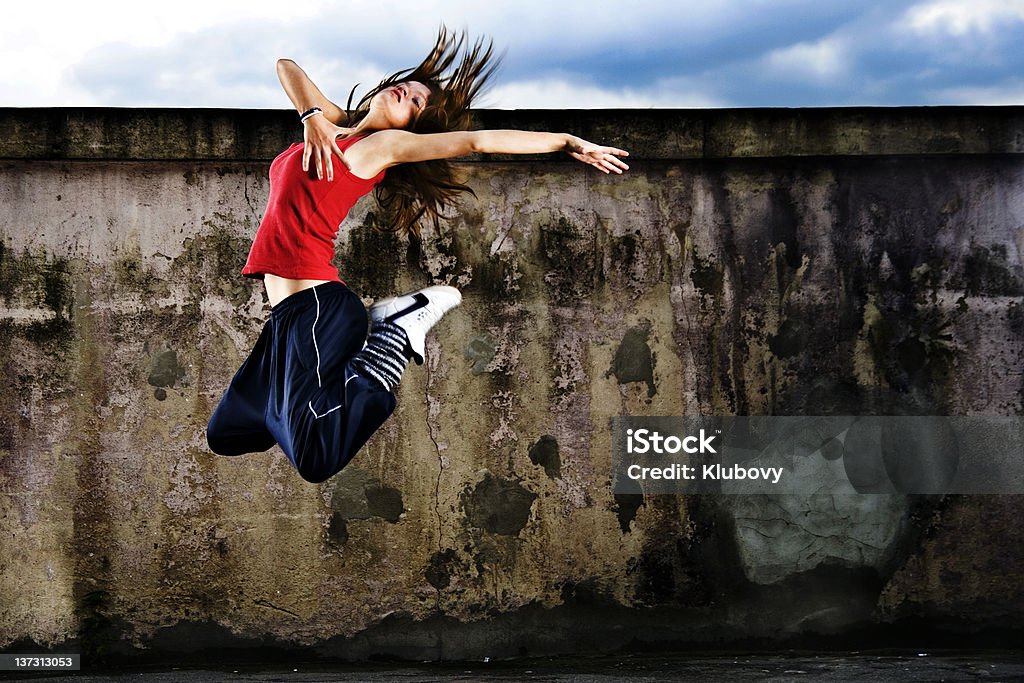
pixel 371 123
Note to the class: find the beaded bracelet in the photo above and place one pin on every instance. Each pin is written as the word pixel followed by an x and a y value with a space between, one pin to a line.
pixel 310 112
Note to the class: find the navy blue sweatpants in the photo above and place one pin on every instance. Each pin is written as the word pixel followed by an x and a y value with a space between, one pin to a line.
pixel 297 388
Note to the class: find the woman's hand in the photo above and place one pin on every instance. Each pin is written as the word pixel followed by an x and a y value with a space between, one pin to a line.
pixel 604 159
pixel 321 137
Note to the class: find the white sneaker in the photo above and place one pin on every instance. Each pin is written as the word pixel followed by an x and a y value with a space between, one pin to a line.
pixel 416 313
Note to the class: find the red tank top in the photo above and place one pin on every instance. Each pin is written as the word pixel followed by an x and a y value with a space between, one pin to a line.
pixel 296 237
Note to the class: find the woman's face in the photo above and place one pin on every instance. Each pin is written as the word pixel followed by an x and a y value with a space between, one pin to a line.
pixel 400 104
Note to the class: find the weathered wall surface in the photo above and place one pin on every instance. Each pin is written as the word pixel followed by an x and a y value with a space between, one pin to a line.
pixel 751 262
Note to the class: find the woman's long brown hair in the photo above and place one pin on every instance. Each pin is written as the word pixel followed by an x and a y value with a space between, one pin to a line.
pixel 456 73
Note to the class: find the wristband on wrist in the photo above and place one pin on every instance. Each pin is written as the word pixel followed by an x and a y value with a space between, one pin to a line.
pixel 310 112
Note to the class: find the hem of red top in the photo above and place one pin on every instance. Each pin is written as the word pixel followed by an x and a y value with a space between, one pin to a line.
pixel 302 275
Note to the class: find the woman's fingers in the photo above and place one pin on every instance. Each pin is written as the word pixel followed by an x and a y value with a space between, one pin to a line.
pixel 318 162
pixel 619 162
pixel 603 159
pixel 595 162
pixel 613 162
pixel 587 159
pixel 337 150
pixel 323 163
pixel 327 154
pixel 321 155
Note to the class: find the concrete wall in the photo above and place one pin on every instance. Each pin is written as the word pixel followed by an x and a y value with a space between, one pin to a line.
pixel 850 261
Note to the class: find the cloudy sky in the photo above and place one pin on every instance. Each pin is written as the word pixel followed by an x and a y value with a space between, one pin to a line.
pixel 559 53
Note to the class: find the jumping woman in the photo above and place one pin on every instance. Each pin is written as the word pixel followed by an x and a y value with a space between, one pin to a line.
pixel 315 383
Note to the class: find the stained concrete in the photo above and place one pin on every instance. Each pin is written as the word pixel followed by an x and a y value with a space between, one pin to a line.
pixel 751 262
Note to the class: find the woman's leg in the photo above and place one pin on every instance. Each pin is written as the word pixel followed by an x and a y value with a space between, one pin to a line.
pixel 320 410
pixel 299 374
pixel 238 423
pixel 400 326
pixel 415 313
pixel 333 392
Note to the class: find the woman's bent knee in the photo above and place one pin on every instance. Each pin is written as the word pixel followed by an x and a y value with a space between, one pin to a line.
pixel 219 445
pixel 237 444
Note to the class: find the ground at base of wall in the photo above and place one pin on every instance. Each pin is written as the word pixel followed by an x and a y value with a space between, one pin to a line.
pixel 740 667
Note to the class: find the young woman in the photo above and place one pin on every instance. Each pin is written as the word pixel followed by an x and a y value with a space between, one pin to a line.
pixel 315 383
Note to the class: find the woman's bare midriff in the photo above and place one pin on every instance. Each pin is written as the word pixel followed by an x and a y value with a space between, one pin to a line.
pixel 280 288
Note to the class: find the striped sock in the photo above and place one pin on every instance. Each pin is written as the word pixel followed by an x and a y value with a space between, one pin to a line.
pixel 383 358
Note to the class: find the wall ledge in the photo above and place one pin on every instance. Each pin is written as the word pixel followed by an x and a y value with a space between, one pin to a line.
pixel 101 133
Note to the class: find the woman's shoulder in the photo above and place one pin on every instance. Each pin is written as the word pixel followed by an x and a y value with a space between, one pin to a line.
pixel 374 136
pixel 366 155
pixel 345 143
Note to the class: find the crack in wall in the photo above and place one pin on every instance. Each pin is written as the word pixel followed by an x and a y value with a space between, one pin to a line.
pixel 432 431
pixel 803 529
pixel 269 605
pixel 245 192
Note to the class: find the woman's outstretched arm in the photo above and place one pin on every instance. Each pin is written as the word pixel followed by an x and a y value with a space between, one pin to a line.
pixel 603 158
pixel 390 147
